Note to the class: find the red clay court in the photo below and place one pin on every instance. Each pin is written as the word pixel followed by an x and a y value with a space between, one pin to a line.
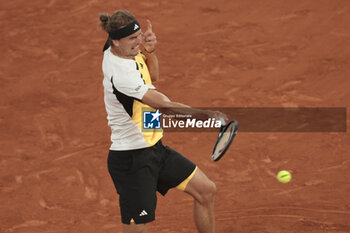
pixel 54 135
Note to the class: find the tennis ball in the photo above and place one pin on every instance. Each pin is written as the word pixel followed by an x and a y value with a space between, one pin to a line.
pixel 284 176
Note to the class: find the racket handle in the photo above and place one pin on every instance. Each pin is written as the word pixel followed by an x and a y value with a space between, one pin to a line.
pixel 222 128
pixel 223 122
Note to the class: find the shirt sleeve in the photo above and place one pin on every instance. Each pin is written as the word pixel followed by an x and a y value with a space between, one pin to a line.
pixel 131 84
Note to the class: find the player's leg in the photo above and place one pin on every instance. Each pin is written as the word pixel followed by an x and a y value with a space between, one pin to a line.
pixel 134 228
pixel 181 173
pixel 203 191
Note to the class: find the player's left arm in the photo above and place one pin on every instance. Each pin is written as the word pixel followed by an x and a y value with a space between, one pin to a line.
pixel 149 41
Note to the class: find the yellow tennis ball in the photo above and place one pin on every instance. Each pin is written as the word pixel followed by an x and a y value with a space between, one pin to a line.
pixel 284 176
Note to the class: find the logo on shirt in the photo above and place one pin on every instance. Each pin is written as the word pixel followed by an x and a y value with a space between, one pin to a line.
pixel 136 27
pixel 138 88
pixel 151 120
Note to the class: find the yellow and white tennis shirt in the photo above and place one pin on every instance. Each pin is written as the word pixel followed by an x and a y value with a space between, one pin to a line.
pixel 125 83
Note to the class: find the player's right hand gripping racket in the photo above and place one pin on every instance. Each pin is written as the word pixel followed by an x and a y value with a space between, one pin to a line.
pixel 226 136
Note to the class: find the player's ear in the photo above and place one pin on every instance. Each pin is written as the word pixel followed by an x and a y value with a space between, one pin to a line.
pixel 115 43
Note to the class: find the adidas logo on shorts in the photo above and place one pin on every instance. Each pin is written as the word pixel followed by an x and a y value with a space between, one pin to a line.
pixel 143 213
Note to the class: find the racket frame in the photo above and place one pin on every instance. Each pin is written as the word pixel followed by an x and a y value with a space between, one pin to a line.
pixel 221 133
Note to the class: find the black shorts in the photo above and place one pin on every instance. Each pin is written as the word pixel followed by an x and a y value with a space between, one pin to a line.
pixel 138 174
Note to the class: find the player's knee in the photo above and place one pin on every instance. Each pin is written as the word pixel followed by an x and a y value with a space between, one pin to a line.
pixel 208 193
pixel 212 189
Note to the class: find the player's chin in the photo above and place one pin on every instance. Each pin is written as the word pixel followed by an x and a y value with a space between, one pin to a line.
pixel 134 52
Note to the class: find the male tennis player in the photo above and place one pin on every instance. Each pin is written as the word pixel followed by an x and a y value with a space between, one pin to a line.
pixel 138 162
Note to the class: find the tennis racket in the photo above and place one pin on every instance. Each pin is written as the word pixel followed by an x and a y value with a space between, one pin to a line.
pixel 225 138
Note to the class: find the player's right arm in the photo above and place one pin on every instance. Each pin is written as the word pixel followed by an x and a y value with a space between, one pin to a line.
pixel 160 101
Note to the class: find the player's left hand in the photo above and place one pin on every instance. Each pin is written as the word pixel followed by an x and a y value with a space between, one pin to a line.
pixel 149 39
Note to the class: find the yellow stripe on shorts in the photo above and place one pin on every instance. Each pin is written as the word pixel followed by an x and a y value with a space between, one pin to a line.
pixel 184 183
